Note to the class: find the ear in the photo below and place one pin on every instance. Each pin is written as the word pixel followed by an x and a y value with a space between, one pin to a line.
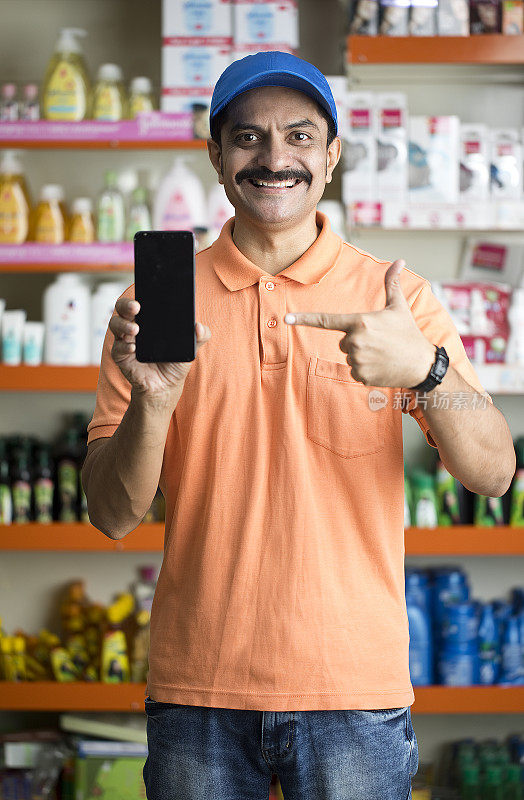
pixel 215 156
pixel 332 158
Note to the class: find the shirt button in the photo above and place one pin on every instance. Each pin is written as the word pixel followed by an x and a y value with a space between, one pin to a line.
pixel 271 323
pixel 270 285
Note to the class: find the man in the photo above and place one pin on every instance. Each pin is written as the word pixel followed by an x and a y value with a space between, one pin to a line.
pixel 279 632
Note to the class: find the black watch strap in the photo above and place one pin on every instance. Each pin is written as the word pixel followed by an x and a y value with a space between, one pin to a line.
pixel 436 373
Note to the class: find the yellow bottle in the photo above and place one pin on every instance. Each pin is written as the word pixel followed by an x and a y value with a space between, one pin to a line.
pixel 114 667
pixel 66 87
pixel 109 97
pixel 82 224
pixel 140 96
pixel 15 203
pixel 50 216
pixel 19 658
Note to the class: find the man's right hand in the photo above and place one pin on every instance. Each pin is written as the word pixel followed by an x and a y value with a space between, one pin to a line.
pixel 153 379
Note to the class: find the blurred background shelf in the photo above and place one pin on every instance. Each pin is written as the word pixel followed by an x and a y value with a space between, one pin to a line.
pixel 67 257
pixel 483 49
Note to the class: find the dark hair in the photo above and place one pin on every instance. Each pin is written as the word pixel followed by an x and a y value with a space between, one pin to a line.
pixel 220 118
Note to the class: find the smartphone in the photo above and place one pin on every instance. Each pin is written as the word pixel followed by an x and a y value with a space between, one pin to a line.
pixel 165 289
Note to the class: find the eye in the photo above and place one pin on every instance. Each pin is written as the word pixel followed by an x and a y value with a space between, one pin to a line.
pixel 301 133
pixel 242 137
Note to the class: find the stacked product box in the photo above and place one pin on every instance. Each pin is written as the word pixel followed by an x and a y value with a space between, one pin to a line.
pixel 196 49
pixel 264 25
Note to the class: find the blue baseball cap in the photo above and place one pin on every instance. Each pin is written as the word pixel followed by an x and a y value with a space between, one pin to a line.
pixel 272 68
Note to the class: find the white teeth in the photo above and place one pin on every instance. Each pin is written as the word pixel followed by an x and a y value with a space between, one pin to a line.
pixel 281 185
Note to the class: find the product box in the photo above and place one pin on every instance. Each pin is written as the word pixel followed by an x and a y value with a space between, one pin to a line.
pixel 506 164
pixel 338 85
pixel 423 18
pixel 480 314
pixel 392 162
pixel 196 18
pixel 363 19
pixel 394 17
pixel 453 18
pixel 512 17
pixel 485 16
pixel 364 214
pixel 264 25
pixel 103 774
pixel 359 151
pixel 474 162
pixel 494 259
pixel 434 159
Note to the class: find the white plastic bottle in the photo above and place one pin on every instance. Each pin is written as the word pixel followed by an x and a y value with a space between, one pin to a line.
pixel 103 302
pixel 66 307
pixel 515 348
pixel 180 203
pixel 219 210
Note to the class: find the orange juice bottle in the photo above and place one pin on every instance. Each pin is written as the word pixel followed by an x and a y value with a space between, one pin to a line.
pixel 50 216
pixel 15 203
pixel 82 224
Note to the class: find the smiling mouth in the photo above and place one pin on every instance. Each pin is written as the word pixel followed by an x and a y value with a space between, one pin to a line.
pixel 274 184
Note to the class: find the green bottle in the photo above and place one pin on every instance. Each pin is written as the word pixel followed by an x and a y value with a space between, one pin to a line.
pixel 516 517
pixel 139 214
pixel 424 499
pixel 512 784
pixel 447 497
pixel 110 211
pixel 43 487
pixel 6 500
pixel 487 511
pixel 21 487
pixel 492 783
pixel 470 781
pixel 67 470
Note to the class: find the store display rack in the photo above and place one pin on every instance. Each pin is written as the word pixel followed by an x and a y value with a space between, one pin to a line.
pixel 149 537
pixel 67 257
pixel 483 49
pixel 83 696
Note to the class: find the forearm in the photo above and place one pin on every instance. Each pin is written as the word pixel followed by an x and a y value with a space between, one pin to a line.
pixel 123 478
pixel 472 436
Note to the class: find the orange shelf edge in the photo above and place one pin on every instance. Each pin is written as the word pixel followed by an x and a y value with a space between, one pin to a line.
pixel 149 537
pixel 79 696
pixel 486 49
pixel 80 536
pixel 47 378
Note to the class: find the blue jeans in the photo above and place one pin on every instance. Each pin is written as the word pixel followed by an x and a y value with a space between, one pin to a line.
pixel 200 753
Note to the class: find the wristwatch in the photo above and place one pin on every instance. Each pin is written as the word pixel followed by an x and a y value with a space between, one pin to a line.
pixel 436 373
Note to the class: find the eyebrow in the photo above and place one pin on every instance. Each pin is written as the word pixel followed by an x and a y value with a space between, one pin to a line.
pixel 242 126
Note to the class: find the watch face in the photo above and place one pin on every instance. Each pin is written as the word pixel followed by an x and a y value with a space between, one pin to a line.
pixel 440 368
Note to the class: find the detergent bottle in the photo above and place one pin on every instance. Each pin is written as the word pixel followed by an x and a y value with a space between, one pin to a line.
pixel 15 203
pixel 67 86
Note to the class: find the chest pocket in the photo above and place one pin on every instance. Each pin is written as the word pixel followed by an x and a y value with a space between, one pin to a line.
pixel 340 415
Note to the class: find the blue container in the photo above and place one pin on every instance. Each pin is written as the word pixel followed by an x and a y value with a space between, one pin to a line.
pixel 458 665
pixel 511 668
pixel 488 647
pixel 420 639
pixel 459 623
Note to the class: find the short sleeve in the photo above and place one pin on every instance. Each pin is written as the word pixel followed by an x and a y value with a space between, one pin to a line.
pixel 438 327
pixel 113 393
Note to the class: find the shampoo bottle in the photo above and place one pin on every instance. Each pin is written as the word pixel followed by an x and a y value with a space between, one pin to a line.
pixel 180 202
pixel 50 218
pixel 140 96
pixel 15 202
pixel 66 86
pixel 109 97
pixel 111 212
pixel 82 224
pixel 139 215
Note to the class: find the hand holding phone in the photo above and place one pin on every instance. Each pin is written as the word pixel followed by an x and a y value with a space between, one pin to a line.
pixel 150 378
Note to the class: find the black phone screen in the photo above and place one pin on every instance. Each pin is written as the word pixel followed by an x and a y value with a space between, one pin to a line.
pixel 165 289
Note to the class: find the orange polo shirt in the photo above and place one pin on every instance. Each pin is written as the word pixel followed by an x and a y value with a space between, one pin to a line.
pixel 282 582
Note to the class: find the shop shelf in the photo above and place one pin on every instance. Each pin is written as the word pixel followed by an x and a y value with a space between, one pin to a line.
pixel 67 257
pixel 152 132
pixel 47 378
pixel 149 537
pixel 80 696
pixel 72 536
pixel 487 49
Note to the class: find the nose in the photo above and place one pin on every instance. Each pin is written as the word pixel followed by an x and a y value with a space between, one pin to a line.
pixel 275 154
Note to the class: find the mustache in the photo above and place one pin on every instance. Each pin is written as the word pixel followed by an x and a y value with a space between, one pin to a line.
pixel 264 174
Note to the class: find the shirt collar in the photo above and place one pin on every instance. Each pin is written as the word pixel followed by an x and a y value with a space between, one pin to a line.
pixel 237 272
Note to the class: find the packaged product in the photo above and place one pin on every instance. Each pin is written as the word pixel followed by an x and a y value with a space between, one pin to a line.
pixel 198 18
pixel 485 16
pixel 15 203
pixel 423 18
pixel 33 343
pixel 66 86
pixel 66 306
pixel 259 26
pixel 453 18
pixel 8 103
pixel 392 163
pixel 394 17
pixel 30 107
pixel 433 159
pixel 81 224
pixel 359 179
pixel 517 489
pixel 448 512
pixel 364 16
pixel 110 211
pixel 12 336
pixel 180 202
pixel 512 17
pixel 114 662
pixel 139 217
pixel 474 162
pixel 506 164
pixel 140 96
pixel 424 499
pixel 50 216
pixel 109 96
